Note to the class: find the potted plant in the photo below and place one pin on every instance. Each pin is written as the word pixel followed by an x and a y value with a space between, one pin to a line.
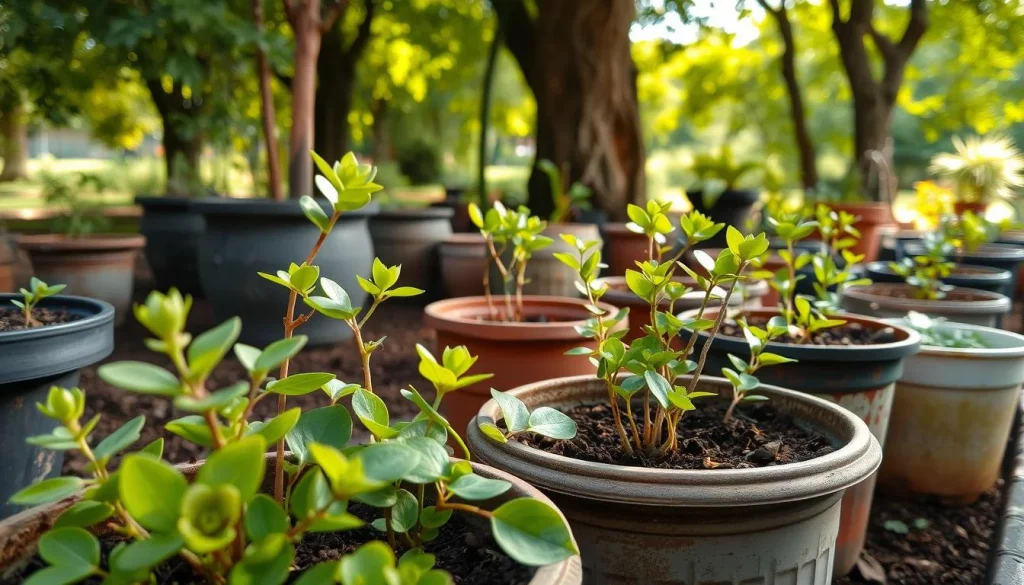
pixel 665 477
pixel 511 329
pixel 396 510
pixel 45 338
pixel 410 236
pixel 720 192
pixel 953 411
pixel 96 265
pixel 981 169
pixel 849 359
pixel 245 236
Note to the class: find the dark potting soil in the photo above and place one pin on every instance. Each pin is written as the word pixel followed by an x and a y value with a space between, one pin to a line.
pixel 756 436
pixel 848 334
pixel 470 554
pixel 14 320
pixel 926 543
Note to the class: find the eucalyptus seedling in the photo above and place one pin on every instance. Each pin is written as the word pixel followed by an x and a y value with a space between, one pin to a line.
pixel 791 229
pixel 37 290
pixel 925 272
pixel 742 374
pixel 933 334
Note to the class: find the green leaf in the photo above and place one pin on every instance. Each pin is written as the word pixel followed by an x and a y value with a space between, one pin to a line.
pixel 659 387
pixel 532 532
pixel 155 448
pixel 552 423
pixel 405 291
pixel 473 487
pixel 322 574
pixel 387 462
pixel 60 575
pixel 755 398
pixel 373 413
pixel 239 464
pixel 579 351
pixel 432 463
pixel 192 428
pixel 734 239
pixel 120 439
pixel 140 377
pixel 331 426
pixel 299 384
pixel 405 514
pixel 276 428
pixel 247 355
pixel 143 555
pixel 70 547
pixel 771 359
pixel 368 286
pixel 210 348
pixel 314 213
pixel 310 494
pixel 277 352
pixel 151 491
pixel 513 410
pixel 264 563
pixel 337 389
pixel 305 277
pixel 331 308
pixel 263 517
pixel 327 170
pixel 382 498
pixel 382 277
pixel 371 564
pixel 84 514
pixel 424 428
pixel 215 400
pixel 492 431
pixel 46 491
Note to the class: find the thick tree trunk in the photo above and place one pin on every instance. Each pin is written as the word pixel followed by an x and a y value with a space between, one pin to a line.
pixel 337 75
pixel 300 163
pixel 182 145
pixel 585 87
pixel 485 118
pixel 267 109
pixel 380 147
pixel 14 134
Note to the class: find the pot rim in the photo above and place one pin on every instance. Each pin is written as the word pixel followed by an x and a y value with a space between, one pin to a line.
pixel 989 251
pixel 438 315
pixel 872 212
pixel 973 352
pixel 858 458
pixel 987 272
pixel 89 242
pixel 263 207
pixel 464 239
pixel 177 202
pixel 618 228
pixel 102 312
pixel 992 303
pixel 413 213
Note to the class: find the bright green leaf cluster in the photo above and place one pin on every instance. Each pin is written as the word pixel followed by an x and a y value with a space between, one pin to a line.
pixel 565 200
pixel 742 377
pixel 37 290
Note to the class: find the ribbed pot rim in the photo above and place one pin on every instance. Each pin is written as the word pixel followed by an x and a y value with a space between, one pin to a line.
pixel 445 316
pixel 979 353
pixel 986 272
pixel 413 213
pixel 992 303
pixel 858 457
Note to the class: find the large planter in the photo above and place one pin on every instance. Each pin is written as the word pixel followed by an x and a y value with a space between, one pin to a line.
pixel 172 229
pixel 464 258
pixel 647 526
pixel 1014 238
pixel 623 248
pixel 961 305
pixel 31 361
pixel 731 208
pixel 963 275
pixel 619 295
pixel 410 237
pixel 516 353
pixel 19 534
pixel 99 267
pixel 951 417
pixel 1003 256
pixel 244 237
pixel 858 378
pixel 547 275
pixel 873 217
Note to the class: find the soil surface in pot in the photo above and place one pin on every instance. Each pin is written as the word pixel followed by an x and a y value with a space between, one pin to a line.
pixel 15 320
pixel 848 334
pixel 926 543
pixel 756 436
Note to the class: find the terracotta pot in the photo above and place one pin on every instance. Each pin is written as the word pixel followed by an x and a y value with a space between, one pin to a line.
pixel 464 258
pixel 172 229
pixel 858 378
pixel 20 534
pixel 976 207
pixel 620 296
pixel 951 417
pixel 410 237
pixel 978 307
pixel 646 526
pixel 872 217
pixel 623 248
pixel 546 274
pixel 964 276
pixel 100 267
pixel 516 353
pixel 8 266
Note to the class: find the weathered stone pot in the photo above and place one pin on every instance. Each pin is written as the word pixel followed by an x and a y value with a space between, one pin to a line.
pixel 464 258
pixel 516 353
pixel 963 275
pixel 545 274
pixel 20 534
pixel 619 295
pixel 410 237
pixel 647 526
pixel 31 361
pixel 172 229
pixel 951 417
pixel 961 305
pixel 858 378
pixel 247 236
pixel 97 266
pixel 623 248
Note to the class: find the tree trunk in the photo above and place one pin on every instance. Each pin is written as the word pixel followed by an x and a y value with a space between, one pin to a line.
pixel 380 149
pixel 267 109
pixel 337 75
pixel 307 48
pixel 585 87
pixel 485 119
pixel 14 134
pixel 182 144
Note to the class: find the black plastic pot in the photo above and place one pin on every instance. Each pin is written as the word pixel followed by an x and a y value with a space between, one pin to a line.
pixel 31 361
pixel 979 277
pixel 1003 256
pixel 247 236
pixel 411 237
pixel 172 229
pixel 731 208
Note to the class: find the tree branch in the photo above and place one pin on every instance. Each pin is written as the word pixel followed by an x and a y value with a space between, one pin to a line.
pixel 520 36
pixel 289 11
pixel 767 8
pixel 884 43
pixel 916 27
pixel 363 33
pixel 328 19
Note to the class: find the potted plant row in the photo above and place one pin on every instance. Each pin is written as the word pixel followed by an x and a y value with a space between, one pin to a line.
pixel 672 473
pixel 316 510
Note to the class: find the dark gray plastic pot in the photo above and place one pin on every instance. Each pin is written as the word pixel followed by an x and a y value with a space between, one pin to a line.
pixel 987 278
pixel 244 237
pixel 32 360
pixel 172 229
pixel 411 237
pixel 731 208
pixel 894 300
pixel 1003 256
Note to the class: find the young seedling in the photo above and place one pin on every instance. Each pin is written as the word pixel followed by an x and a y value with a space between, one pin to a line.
pixel 566 199
pixel 545 421
pixel 219 523
pixel 791 229
pixel 839 233
pixel 926 271
pixel 933 334
pixel 742 377
pixel 37 291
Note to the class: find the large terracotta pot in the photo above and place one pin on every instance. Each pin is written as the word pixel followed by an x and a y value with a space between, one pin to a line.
pixel 172 229
pixel 873 216
pixel 410 237
pixel 99 267
pixel 20 534
pixel 963 305
pixel 647 526
pixel 858 378
pixel 951 417
pixel 464 258
pixel 623 248
pixel 516 353
pixel 976 207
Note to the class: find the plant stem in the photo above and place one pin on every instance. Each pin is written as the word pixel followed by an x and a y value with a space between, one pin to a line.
pixel 520 282
pixel 735 400
pixel 504 276
pixel 714 331
pixel 390 529
pixel 632 425
pixel 791 266
pixel 364 356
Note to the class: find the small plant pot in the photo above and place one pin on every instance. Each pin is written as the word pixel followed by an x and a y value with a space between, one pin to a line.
pixel 647 526
pixel 547 275
pixel 410 237
pixel 858 378
pixel 620 296
pixel 961 305
pixel 31 361
pixel 963 275
pixel 464 258
pixel 20 534
pixel 951 417
pixel 516 353
pixel 98 267
pixel 1003 256
pixel 873 217
pixel 731 208
pixel 623 248
pixel 1014 238
pixel 244 237
pixel 172 229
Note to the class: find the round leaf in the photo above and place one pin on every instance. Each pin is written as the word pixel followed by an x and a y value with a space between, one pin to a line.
pixel 474 487
pixel 70 547
pixel 532 532
pixel 552 423
pixel 46 491
pixel 239 464
pixel 331 426
pixel 140 377
pixel 151 490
